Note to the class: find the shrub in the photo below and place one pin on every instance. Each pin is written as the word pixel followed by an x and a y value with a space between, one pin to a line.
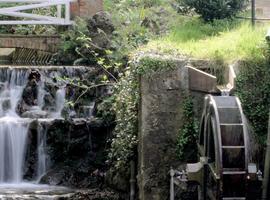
pixel 215 9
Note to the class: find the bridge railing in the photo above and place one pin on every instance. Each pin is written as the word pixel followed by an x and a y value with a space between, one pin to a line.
pixel 26 18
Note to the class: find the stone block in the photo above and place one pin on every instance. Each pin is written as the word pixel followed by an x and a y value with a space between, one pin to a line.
pixel 201 81
pixel 86 8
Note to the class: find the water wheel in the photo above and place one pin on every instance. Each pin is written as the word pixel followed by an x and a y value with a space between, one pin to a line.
pixel 224 142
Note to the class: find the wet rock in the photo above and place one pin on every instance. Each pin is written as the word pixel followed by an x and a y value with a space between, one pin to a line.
pixel 96 194
pixel 118 180
pixel 34 75
pixel 6 104
pixel 76 149
pixel 37 113
pixel 57 176
pixel 30 93
pixel 50 89
pixel 30 164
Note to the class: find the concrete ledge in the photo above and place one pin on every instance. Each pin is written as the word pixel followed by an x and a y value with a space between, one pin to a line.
pixel 201 81
pixel 43 43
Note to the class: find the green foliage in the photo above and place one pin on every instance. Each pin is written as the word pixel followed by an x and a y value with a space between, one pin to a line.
pixel 77 48
pixel 215 9
pixel 150 65
pixel 123 147
pixel 188 134
pixel 253 89
pixel 75 45
pixel 137 22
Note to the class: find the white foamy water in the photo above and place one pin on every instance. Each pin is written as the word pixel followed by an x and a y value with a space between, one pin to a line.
pixel 13 136
pixel 42 156
pixel 13 129
pixel 59 102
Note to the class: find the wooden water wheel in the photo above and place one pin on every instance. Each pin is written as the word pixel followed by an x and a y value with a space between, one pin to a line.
pixel 224 141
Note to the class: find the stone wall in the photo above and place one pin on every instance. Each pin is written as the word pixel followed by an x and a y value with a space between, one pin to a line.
pixel 160 121
pixel 86 8
pixel 43 43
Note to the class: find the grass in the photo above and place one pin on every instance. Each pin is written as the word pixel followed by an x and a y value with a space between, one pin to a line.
pixel 226 40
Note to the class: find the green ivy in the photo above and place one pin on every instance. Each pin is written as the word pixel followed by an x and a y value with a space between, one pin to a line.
pixel 125 106
pixel 188 134
pixel 253 89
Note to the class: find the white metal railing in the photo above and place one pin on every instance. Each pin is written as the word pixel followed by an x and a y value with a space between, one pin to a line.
pixel 29 18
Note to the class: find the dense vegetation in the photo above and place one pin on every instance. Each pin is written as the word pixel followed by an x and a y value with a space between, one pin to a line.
pixel 214 9
pixel 156 26
pixel 223 41
pixel 253 88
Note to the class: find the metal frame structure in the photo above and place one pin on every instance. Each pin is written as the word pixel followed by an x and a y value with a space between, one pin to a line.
pixel 29 18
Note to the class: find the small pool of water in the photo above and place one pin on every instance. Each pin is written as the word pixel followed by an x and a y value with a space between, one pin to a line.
pixel 33 191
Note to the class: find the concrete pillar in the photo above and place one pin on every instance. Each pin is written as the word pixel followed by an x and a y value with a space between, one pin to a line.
pixel 160 119
pixel 86 8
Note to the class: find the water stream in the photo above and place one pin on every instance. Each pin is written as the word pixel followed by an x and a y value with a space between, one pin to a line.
pixel 17 118
pixel 14 129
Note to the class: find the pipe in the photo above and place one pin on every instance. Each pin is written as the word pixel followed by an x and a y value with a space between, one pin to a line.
pixel 265 194
pixel 132 180
pixel 172 173
pixel 253 12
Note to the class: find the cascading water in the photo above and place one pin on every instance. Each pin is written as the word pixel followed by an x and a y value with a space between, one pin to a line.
pixel 42 156
pixel 13 136
pixel 59 102
pixel 13 129
pixel 29 107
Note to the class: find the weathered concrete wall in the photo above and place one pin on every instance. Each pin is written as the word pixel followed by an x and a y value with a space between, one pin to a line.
pixel 43 43
pixel 160 121
pixel 86 8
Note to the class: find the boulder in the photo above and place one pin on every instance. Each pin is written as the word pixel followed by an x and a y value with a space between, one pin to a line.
pixel 101 28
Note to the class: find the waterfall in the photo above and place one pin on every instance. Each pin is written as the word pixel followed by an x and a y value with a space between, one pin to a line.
pixel 42 156
pixel 41 93
pixel 13 136
pixel 31 103
pixel 59 102
pixel 13 129
pixel 16 116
